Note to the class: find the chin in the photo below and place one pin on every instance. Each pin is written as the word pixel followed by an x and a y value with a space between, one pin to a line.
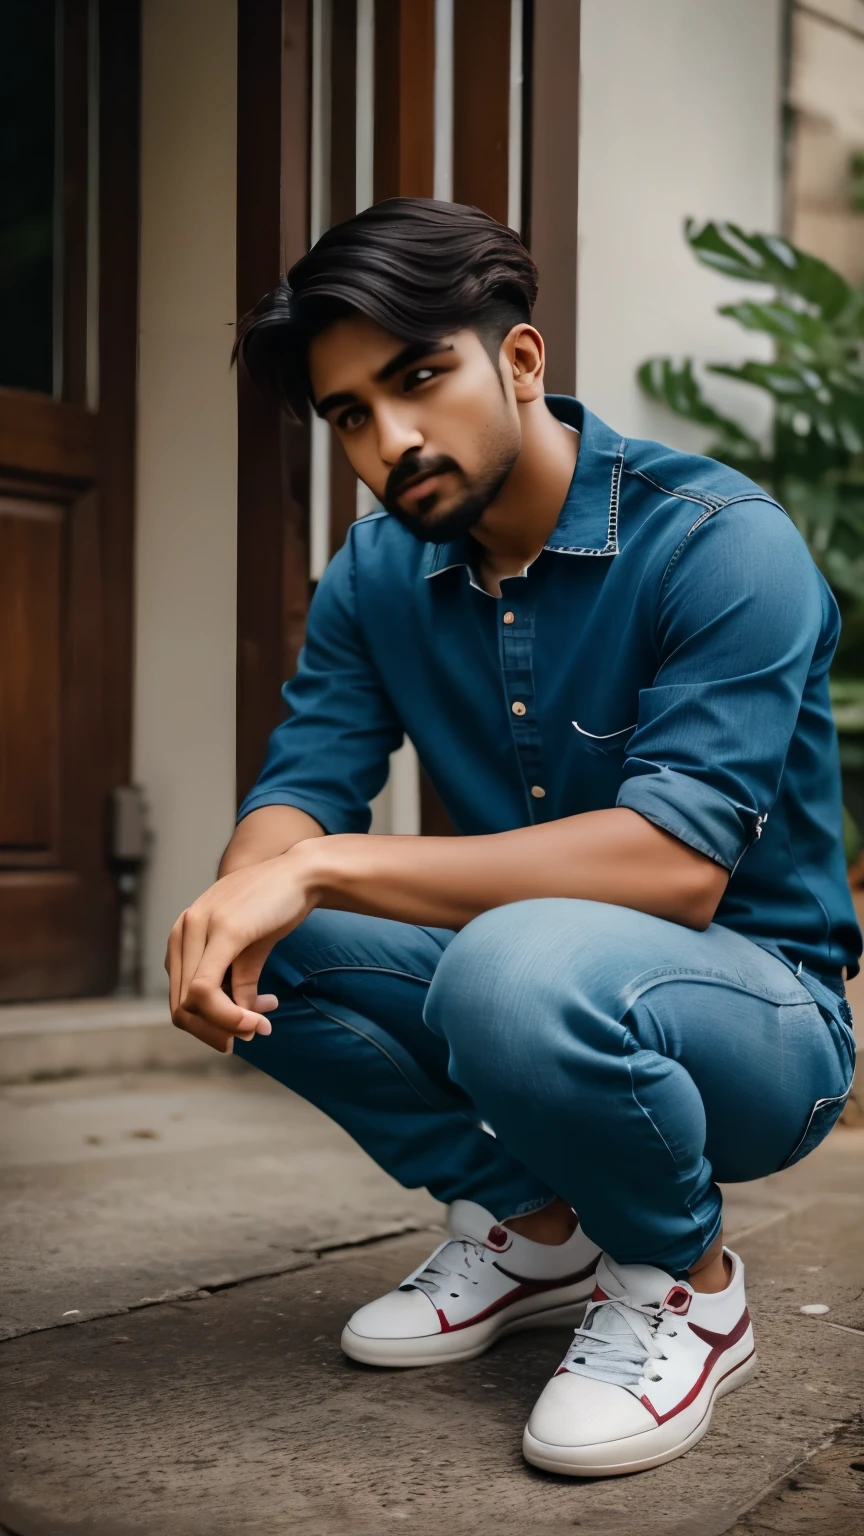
pixel 438 525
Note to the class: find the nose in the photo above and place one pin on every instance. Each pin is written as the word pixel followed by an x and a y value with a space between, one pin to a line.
pixel 397 435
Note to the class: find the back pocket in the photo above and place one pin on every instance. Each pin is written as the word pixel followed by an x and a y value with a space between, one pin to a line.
pixel 823 1116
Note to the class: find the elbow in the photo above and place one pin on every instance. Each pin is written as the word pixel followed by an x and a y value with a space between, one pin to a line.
pixel 702 896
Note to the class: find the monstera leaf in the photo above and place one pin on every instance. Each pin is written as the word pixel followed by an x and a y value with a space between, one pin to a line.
pixel 775 262
pixel 675 384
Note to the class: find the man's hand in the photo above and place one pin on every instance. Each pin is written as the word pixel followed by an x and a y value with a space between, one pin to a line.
pixel 233 926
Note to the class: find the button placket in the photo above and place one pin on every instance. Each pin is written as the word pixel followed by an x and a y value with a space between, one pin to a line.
pixel 516 646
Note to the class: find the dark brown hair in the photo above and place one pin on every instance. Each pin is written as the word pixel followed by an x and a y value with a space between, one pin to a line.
pixel 419 268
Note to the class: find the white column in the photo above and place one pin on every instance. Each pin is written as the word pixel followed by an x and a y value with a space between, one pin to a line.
pixel 186 514
pixel 514 137
pixel 652 154
pixel 442 174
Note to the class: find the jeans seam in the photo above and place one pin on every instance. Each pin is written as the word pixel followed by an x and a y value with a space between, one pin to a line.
pixel 642 984
pixel 361 1035
pixel 376 970
pixel 698 1226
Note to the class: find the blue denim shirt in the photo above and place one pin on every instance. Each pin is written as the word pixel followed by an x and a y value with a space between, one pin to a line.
pixel 667 651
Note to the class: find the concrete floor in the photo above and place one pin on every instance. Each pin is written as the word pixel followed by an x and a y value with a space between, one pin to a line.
pixel 235 1412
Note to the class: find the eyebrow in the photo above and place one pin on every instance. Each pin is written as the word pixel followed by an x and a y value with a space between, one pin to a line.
pixel 414 351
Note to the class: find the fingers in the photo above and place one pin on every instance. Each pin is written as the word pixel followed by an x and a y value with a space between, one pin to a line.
pixel 220 1039
pixel 245 972
pixel 195 924
pixel 206 1000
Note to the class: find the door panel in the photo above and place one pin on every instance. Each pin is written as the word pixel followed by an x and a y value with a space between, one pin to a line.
pixel 30 554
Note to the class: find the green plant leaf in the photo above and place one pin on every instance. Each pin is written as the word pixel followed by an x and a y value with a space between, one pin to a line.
pixel 831 401
pixel 851 837
pixel 753 258
pixel 806 335
pixel 847 703
pixel 675 385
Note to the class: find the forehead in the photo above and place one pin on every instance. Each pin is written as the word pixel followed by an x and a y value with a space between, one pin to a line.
pixel 347 356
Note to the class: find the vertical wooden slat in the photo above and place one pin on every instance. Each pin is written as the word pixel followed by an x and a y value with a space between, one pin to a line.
pixel 343 144
pixel 554 184
pixel 294 439
pixel 119 211
pixel 481 107
pixel 273 463
pixel 404 98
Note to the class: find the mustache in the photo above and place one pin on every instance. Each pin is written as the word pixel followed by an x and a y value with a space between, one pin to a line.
pixel 406 472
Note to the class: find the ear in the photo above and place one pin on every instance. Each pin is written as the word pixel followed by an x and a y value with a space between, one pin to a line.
pixel 523 359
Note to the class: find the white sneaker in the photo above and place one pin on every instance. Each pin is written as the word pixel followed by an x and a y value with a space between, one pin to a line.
pixel 481 1282
pixel 640 1379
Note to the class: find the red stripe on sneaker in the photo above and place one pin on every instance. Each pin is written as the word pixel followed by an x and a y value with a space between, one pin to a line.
pixel 720 1342
pixel 526 1288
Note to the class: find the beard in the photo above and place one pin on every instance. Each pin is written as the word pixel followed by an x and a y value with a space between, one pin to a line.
pixel 476 495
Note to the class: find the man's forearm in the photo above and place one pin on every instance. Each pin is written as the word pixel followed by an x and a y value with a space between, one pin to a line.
pixel 614 856
pixel 264 834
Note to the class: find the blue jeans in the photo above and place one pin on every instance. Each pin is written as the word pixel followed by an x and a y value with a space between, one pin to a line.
pixel 625 1063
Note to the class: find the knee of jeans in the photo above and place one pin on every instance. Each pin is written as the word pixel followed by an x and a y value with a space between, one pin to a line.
pixel 478 993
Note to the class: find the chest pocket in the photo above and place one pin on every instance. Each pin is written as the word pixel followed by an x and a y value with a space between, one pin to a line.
pixel 612 744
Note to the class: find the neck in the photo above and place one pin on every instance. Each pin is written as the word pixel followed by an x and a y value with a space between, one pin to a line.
pixel 516 525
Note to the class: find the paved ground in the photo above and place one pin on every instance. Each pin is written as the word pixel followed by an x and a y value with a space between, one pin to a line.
pixel 235 1412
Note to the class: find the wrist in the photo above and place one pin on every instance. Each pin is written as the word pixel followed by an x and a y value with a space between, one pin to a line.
pixel 316 865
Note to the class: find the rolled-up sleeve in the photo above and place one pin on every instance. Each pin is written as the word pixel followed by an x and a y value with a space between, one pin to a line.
pixel 742 615
pixel 330 756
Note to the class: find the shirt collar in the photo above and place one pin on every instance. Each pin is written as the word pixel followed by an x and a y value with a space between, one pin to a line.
pixel 588 524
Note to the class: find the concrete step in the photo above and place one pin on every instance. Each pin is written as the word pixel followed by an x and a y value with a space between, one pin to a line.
pixel 93 1034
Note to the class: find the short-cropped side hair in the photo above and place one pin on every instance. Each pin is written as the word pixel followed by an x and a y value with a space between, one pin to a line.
pixel 419 268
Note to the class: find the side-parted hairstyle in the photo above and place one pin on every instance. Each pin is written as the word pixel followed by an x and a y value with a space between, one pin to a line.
pixel 419 268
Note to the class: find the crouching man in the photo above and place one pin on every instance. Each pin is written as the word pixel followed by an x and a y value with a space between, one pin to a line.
pixel 613 661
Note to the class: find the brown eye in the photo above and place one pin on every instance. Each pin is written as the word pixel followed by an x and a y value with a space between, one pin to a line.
pixel 351 420
pixel 419 376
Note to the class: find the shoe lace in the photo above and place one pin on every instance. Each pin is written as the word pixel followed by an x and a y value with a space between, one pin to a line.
pixel 455 1258
pixel 620 1356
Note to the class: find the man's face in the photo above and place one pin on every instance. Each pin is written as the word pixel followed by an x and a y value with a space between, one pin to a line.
pixel 434 434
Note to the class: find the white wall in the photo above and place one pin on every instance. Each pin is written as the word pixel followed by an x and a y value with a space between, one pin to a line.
pixel 187 454
pixel 681 115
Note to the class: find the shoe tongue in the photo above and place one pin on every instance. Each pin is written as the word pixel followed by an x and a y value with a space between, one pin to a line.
pixel 641 1283
pixel 467 1219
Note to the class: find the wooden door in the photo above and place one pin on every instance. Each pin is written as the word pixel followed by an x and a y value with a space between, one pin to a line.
pixel 68 318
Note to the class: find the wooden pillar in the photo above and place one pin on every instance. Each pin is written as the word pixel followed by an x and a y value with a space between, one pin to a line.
pixel 273 456
pixel 553 181
pixel 481 104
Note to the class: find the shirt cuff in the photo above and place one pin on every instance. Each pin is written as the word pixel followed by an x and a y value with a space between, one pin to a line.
pixel 331 817
pixel 692 811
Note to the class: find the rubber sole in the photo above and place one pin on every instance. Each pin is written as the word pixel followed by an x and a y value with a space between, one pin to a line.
pixel 461 1343
pixel 603 1463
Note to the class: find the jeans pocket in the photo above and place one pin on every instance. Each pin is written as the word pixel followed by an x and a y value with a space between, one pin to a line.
pixel 824 1114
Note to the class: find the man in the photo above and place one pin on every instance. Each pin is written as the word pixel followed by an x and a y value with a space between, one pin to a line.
pixel 612 658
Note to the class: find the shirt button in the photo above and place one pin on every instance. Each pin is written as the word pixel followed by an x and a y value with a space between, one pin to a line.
pixel 509 618
pixel 538 791
pixel 518 708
